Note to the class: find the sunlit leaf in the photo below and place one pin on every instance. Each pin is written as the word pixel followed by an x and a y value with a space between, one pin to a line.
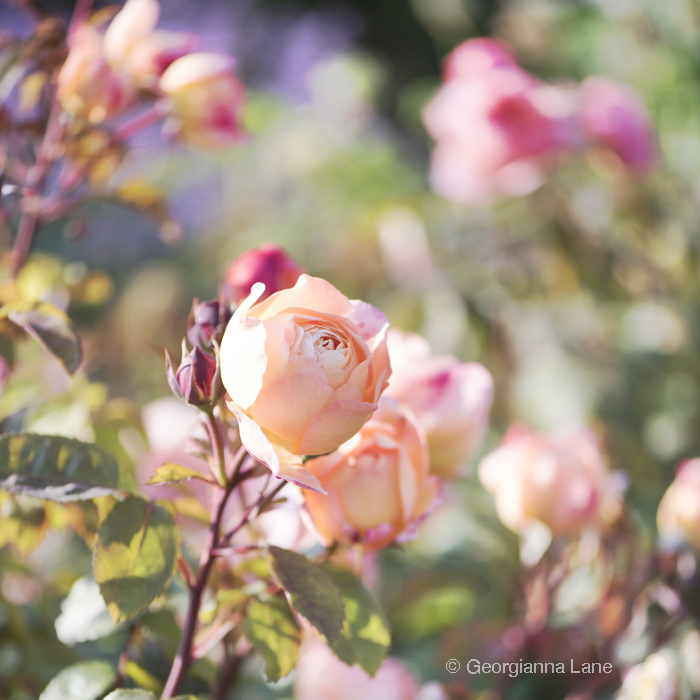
pixel 23 522
pixel 57 468
pixel 84 615
pixel 272 629
pixel 172 473
pixel 87 680
pixel 313 593
pixel 134 556
pixel 365 638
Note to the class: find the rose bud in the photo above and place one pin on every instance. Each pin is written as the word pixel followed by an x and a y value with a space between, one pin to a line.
pixel 87 86
pixel 558 479
pixel 378 482
pixel 268 264
pixel 133 45
pixel 304 370
pixel 450 399
pixel 206 99
pixel 678 516
pixel 207 323
pixel 321 675
pixel 612 115
pixel 197 380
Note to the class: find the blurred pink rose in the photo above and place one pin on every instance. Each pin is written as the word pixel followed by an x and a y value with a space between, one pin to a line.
pixel 207 99
pixel 450 399
pixel 476 57
pixel 133 45
pixel 268 264
pixel 613 115
pixel 678 515
pixel 496 128
pixel 87 87
pixel 559 479
pixel 321 675
pixel 378 482
pixel 304 369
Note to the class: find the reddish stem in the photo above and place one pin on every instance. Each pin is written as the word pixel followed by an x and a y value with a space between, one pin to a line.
pixel 142 121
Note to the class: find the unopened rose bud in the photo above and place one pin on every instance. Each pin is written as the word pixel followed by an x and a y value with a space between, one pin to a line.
pixel 197 381
pixel 678 517
pixel 268 264
pixel 207 323
pixel 134 46
pixel 206 99
pixel 87 87
pixel 378 484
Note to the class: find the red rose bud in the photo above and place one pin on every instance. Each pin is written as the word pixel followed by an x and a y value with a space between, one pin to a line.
pixel 197 381
pixel 268 264
pixel 207 323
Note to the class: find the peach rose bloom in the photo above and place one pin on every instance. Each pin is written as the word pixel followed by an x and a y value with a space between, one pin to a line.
pixel 320 675
pixel 450 399
pixel 132 43
pixel 613 115
pixel 378 482
pixel 304 370
pixel 559 479
pixel 678 515
pixel 206 99
pixel 496 128
pixel 87 87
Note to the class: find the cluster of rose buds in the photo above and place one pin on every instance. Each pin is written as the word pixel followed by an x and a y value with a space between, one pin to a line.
pixel 497 128
pixel 110 69
pixel 197 380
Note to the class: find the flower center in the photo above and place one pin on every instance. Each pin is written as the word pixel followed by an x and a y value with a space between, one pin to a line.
pixel 328 347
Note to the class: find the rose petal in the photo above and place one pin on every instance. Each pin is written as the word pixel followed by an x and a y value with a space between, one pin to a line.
pixel 308 293
pixel 287 405
pixel 334 425
pixel 279 461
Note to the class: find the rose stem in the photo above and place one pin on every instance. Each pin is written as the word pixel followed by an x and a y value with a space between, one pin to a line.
pixel 183 659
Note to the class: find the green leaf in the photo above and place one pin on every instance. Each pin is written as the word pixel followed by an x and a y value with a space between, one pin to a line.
pixel 87 680
pixel 131 695
pixel 313 593
pixel 172 473
pixel 272 629
pixel 134 556
pixel 57 468
pixel 50 327
pixel 365 638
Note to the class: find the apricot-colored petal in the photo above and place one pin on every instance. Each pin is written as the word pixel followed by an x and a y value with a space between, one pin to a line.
pixel 308 293
pixel 334 425
pixel 243 354
pixel 287 405
pixel 279 461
